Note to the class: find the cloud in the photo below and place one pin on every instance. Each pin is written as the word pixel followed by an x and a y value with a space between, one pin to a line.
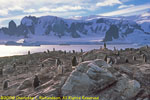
pixel 19 17
pixel 3 12
pixel 125 1
pixel 125 6
pixel 44 9
pixel 108 3
pixel 32 6
pixel 127 10
pixel 30 11
pixel 16 9
pixel 67 8
pixel 60 9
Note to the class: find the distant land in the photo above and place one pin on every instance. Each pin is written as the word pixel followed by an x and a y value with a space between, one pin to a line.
pixel 80 30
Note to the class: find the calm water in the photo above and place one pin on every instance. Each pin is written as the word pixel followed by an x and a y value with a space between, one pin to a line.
pixel 20 50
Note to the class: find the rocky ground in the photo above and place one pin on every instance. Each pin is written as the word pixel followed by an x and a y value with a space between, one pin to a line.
pixel 103 73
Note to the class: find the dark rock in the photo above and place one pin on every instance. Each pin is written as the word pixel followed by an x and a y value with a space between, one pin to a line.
pixel 113 32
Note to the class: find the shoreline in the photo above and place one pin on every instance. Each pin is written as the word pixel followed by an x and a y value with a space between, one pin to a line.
pixel 76 43
pixel 22 50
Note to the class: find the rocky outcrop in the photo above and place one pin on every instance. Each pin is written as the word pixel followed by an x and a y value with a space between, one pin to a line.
pixel 112 33
pixel 128 88
pixel 87 77
pixel 96 78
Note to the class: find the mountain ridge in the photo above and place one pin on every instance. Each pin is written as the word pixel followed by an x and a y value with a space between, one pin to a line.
pixel 100 29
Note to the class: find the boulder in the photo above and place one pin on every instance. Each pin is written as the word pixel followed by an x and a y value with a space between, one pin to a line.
pixel 128 88
pixel 101 63
pixel 15 85
pixel 89 77
pixel 142 74
pixel 25 84
pixel 80 59
pixel 8 69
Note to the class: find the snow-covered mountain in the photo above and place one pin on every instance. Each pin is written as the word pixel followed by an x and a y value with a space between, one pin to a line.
pixel 91 29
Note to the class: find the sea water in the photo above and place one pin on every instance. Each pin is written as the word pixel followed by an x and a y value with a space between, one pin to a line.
pixel 21 50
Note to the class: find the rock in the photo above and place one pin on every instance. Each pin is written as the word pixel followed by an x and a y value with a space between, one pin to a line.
pixel 146 99
pixel 121 60
pixel 143 74
pixel 15 85
pixel 125 69
pixel 115 61
pixel 19 92
pixel 62 81
pixel 89 77
pixel 101 63
pixel 91 55
pixel 80 59
pixel 139 99
pixel 47 84
pixel 83 66
pixel 8 69
pixel 143 55
pixel 124 89
pixel 128 88
pixel 25 84
pixel 51 92
pixel 77 85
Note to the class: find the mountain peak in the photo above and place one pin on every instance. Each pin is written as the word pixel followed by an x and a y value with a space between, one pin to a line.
pixel 12 25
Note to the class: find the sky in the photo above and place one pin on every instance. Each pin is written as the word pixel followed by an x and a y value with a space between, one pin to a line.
pixel 17 9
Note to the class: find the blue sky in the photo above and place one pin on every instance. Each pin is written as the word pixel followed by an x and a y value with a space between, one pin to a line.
pixel 17 9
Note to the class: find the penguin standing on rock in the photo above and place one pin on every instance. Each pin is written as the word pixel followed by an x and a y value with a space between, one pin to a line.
pixel 6 84
pixel 36 82
pixel 58 62
pixel 1 72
